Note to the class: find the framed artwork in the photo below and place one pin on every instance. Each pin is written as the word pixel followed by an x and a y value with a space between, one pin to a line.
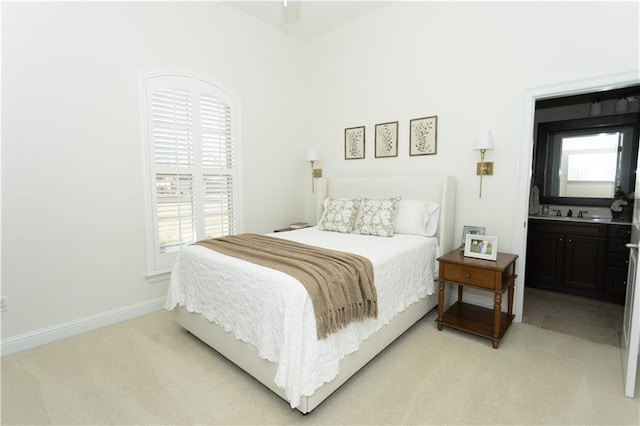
pixel 474 230
pixel 354 143
pixel 387 139
pixel 423 135
pixel 481 247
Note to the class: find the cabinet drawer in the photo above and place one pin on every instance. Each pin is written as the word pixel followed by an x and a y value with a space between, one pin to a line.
pixel 469 275
pixel 615 285
pixel 617 260
pixel 620 231
pixel 619 246
pixel 574 228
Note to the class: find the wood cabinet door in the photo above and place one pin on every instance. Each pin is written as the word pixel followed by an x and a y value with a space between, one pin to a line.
pixel 584 264
pixel 544 260
pixel 615 285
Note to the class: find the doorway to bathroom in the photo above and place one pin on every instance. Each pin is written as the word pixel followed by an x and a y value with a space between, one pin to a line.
pixel 578 314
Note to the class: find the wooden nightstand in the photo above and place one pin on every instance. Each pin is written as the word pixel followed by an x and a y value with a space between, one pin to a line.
pixel 288 228
pixel 496 276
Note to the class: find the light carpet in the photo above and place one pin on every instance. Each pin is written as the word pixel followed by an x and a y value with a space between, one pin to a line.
pixel 150 371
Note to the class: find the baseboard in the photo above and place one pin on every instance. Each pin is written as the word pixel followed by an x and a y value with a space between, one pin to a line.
pixel 52 334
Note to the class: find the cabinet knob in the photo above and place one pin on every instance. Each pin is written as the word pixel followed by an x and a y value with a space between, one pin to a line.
pixel 560 239
pixel 467 275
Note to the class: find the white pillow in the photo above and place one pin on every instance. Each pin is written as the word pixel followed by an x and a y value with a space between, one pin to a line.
pixel 377 216
pixel 417 217
pixel 339 214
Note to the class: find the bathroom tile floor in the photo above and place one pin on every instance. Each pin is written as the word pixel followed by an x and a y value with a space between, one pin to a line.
pixel 590 319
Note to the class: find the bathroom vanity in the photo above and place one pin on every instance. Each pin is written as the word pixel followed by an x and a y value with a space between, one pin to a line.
pixel 585 257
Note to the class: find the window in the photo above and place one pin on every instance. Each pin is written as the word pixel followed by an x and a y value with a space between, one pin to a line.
pixel 582 161
pixel 589 163
pixel 192 177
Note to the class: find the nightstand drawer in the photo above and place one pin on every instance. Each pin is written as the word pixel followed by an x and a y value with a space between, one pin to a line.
pixel 462 274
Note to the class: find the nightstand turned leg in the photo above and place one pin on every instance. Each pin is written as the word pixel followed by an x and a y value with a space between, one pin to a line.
pixel 497 310
pixel 440 303
pixel 510 301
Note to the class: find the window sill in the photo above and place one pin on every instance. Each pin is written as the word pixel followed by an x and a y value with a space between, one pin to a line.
pixel 158 277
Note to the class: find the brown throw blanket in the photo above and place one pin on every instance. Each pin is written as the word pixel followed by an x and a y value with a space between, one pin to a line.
pixel 340 284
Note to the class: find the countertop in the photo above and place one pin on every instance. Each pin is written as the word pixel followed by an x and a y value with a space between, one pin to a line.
pixel 593 219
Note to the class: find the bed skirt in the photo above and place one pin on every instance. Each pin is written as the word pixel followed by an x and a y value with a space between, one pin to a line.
pixel 246 357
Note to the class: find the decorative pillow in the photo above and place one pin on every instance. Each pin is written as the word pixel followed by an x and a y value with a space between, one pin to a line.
pixel 377 216
pixel 417 217
pixel 339 215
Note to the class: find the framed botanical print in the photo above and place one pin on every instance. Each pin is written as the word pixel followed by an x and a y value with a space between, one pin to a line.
pixel 423 135
pixel 354 143
pixel 387 139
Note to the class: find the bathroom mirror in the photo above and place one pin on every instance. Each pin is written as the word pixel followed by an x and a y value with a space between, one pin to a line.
pixel 583 161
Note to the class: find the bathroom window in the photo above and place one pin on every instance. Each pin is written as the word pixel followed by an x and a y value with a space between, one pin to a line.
pixel 589 164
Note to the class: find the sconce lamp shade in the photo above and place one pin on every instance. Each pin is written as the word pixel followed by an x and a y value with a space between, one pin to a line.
pixel 484 140
pixel 596 108
pixel 622 105
pixel 312 155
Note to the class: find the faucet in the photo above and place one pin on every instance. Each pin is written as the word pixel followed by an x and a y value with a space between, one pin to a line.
pixel 580 213
pixel 558 212
pixel 569 213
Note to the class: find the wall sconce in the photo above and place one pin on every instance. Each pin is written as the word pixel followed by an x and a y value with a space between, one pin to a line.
pixel 312 157
pixel 596 108
pixel 484 141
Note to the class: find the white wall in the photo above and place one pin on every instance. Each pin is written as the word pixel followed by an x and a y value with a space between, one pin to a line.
pixel 72 240
pixel 469 64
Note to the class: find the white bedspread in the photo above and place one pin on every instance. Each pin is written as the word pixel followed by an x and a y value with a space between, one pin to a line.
pixel 272 310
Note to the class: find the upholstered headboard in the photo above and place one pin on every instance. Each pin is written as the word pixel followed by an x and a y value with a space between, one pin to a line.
pixel 441 189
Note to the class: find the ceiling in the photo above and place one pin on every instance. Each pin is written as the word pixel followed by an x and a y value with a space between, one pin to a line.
pixel 306 19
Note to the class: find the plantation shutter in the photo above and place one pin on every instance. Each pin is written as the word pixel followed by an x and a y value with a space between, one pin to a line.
pixel 218 160
pixel 194 191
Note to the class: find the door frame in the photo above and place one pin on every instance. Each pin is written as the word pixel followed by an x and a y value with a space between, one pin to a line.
pixel 525 157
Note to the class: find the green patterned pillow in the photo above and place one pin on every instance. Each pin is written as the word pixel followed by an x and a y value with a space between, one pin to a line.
pixel 377 217
pixel 339 215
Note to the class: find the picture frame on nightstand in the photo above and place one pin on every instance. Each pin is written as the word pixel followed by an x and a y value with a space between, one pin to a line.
pixel 476 230
pixel 481 247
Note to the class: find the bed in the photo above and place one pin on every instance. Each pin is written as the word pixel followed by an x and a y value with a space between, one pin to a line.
pixel 288 358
